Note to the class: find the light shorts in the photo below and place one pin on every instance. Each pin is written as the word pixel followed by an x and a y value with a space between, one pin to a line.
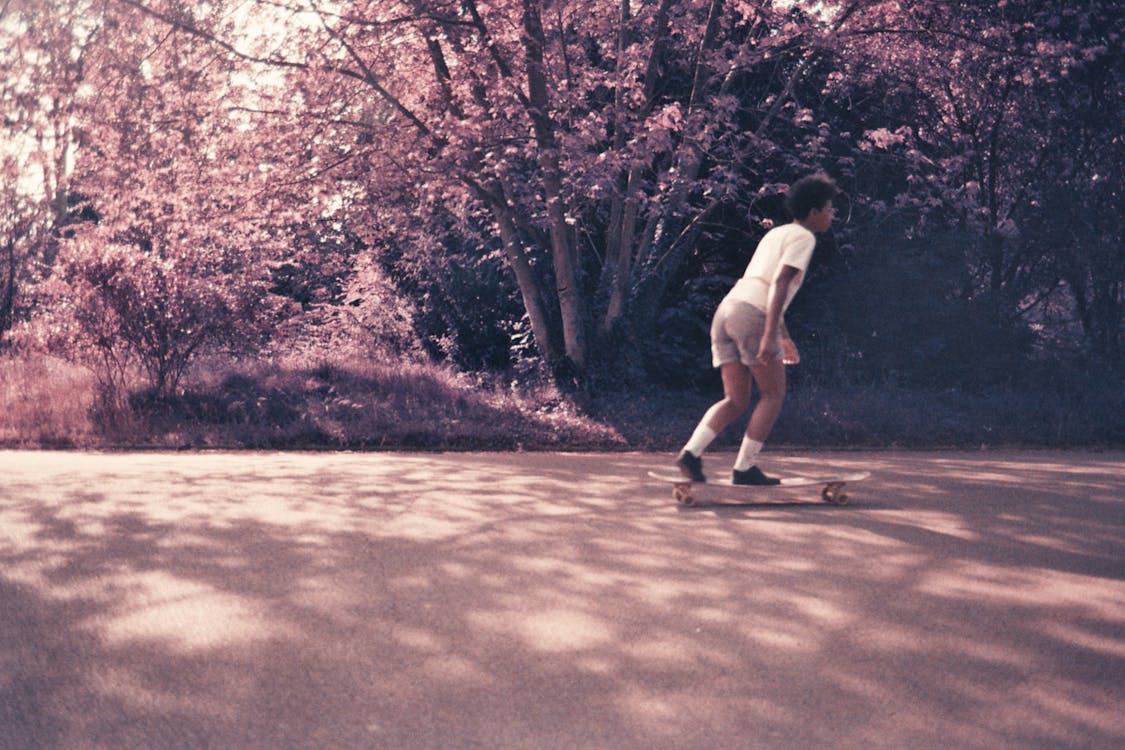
pixel 736 333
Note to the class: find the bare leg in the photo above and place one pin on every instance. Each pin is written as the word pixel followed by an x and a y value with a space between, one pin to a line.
pixel 737 383
pixel 770 378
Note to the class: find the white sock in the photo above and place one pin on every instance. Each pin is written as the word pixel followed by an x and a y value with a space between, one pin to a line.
pixel 700 439
pixel 747 453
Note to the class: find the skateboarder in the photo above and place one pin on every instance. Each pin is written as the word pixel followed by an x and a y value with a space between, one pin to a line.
pixel 749 341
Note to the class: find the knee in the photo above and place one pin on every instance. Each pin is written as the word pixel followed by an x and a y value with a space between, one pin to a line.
pixel 739 403
pixel 774 394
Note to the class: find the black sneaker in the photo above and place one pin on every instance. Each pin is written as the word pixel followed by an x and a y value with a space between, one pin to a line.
pixel 691 467
pixel 753 476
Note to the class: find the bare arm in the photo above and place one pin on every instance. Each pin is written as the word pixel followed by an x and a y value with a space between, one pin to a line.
pixel 775 324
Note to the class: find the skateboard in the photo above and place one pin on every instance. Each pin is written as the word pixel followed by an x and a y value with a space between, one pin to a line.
pixel 689 493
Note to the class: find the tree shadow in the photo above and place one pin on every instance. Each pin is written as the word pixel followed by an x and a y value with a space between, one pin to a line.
pixel 501 600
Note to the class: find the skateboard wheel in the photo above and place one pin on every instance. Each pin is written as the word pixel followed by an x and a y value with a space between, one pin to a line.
pixel 683 497
pixel 834 493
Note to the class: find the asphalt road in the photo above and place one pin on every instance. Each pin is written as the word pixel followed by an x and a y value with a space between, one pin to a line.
pixel 409 601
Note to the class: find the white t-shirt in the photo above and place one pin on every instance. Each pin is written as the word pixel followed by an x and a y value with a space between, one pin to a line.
pixel 787 245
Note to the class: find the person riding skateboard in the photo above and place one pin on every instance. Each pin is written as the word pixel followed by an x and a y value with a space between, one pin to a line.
pixel 749 341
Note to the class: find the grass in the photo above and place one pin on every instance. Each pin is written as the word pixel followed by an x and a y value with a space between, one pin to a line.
pixel 368 405
pixel 293 404
pixel 44 403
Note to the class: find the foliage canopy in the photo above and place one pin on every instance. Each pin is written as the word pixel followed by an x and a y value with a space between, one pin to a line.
pixel 567 183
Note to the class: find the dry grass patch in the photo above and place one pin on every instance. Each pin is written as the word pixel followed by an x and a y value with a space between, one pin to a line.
pixel 44 403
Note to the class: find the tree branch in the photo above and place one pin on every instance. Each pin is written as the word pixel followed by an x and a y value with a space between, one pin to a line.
pixel 190 28
pixel 369 78
pixel 364 73
pixel 366 23
pixel 958 35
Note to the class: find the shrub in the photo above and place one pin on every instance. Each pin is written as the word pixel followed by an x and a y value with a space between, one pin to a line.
pixel 110 305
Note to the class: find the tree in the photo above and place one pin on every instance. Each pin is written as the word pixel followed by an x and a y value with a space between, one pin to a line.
pixel 618 159
pixel 43 51
pixel 181 236
pixel 589 143
pixel 1000 119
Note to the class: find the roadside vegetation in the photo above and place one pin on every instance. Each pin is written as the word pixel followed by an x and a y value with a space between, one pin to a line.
pixel 46 403
pixel 289 404
pixel 506 225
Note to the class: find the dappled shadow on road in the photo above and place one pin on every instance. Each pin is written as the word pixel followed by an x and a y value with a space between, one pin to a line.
pixel 515 600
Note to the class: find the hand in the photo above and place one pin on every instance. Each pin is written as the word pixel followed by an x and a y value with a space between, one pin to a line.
pixel 768 350
pixel 789 353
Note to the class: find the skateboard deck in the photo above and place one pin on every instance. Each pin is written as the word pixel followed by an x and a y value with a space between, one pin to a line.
pixel 689 493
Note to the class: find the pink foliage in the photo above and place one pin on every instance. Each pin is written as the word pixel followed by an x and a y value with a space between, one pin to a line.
pixel 589 144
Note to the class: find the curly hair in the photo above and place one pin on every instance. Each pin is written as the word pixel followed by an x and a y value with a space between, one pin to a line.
pixel 807 193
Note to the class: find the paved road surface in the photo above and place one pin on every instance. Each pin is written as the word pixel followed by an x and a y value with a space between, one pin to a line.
pixel 405 601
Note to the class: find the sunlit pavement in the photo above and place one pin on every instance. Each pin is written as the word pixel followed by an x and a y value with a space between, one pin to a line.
pixel 253 600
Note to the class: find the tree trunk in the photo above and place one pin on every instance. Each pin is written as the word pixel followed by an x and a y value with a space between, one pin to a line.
pixel 625 208
pixel 530 291
pixel 564 255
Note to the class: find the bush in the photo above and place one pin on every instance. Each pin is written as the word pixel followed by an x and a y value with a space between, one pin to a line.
pixel 110 305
